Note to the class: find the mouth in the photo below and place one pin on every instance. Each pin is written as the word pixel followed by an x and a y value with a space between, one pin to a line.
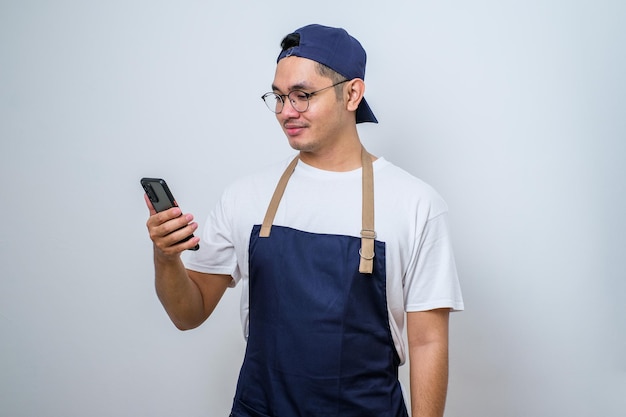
pixel 293 129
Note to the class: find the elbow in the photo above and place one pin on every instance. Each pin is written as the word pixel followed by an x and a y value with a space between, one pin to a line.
pixel 185 324
pixel 183 327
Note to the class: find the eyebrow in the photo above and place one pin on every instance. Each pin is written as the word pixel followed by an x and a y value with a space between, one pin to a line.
pixel 299 86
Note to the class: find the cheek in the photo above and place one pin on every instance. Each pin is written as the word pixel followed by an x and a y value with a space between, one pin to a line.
pixel 322 114
pixel 328 119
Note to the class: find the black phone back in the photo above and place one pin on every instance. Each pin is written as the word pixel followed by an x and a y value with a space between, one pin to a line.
pixel 159 193
pixel 161 197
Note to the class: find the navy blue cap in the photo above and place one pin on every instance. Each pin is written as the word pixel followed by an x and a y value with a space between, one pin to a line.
pixel 339 51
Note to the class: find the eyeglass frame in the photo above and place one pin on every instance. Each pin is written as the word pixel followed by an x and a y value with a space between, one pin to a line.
pixel 306 95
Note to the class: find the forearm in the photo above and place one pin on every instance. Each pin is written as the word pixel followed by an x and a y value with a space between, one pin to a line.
pixel 178 294
pixel 427 334
pixel 429 379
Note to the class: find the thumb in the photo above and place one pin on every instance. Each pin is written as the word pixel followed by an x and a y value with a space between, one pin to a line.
pixel 149 204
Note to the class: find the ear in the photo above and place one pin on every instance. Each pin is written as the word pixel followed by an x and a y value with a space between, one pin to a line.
pixel 354 91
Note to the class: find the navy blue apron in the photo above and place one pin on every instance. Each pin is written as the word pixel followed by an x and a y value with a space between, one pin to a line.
pixel 319 342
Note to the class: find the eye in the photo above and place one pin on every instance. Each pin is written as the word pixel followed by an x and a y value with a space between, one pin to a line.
pixel 300 96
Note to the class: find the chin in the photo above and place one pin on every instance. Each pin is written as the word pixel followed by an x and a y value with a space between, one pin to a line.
pixel 301 145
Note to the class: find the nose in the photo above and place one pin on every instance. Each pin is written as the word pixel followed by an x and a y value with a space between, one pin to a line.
pixel 289 111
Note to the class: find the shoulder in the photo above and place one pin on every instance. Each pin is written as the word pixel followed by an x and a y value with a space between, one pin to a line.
pixel 260 182
pixel 402 189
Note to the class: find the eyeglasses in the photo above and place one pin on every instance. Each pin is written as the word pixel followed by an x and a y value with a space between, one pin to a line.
pixel 299 99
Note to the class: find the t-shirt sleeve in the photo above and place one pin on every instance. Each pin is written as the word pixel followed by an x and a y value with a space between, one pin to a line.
pixel 217 253
pixel 431 280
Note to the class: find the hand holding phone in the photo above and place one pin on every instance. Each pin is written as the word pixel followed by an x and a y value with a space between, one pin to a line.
pixel 161 198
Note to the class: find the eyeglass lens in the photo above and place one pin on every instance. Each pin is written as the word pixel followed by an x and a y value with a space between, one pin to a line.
pixel 299 100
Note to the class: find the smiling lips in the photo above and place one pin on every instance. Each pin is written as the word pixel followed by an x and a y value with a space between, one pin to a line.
pixel 293 128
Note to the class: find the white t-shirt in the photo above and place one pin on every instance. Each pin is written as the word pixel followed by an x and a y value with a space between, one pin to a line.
pixel 410 217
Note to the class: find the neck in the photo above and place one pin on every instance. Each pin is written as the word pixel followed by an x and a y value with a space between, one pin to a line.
pixel 339 152
pixel 339 157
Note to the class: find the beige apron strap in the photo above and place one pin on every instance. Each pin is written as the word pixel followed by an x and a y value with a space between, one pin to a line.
pixel 366 266
pixel 278 194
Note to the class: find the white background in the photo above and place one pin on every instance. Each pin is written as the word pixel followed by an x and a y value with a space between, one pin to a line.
pixel 513 110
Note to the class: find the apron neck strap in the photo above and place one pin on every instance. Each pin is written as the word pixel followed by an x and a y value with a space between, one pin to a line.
pixel 368 234
pixel 266 227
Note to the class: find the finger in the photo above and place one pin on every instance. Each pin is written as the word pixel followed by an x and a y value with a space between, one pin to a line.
pixel 188 240
pixel 163 224
pixel 178 247
pixel 178 225
pixel 149 204
pixel 179 240
pixel 160 218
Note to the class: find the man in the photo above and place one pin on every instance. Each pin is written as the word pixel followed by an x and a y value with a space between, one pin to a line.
pixel 325 282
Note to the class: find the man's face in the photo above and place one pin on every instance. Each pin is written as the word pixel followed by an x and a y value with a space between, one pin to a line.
pixel 321 124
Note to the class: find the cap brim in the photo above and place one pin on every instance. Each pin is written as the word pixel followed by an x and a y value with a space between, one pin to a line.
pixel 364 113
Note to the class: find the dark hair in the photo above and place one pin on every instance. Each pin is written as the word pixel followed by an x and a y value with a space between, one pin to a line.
pixel 289 41
pixel 292 40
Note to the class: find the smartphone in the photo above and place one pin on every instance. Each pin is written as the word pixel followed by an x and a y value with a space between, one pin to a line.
pixel 161 198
